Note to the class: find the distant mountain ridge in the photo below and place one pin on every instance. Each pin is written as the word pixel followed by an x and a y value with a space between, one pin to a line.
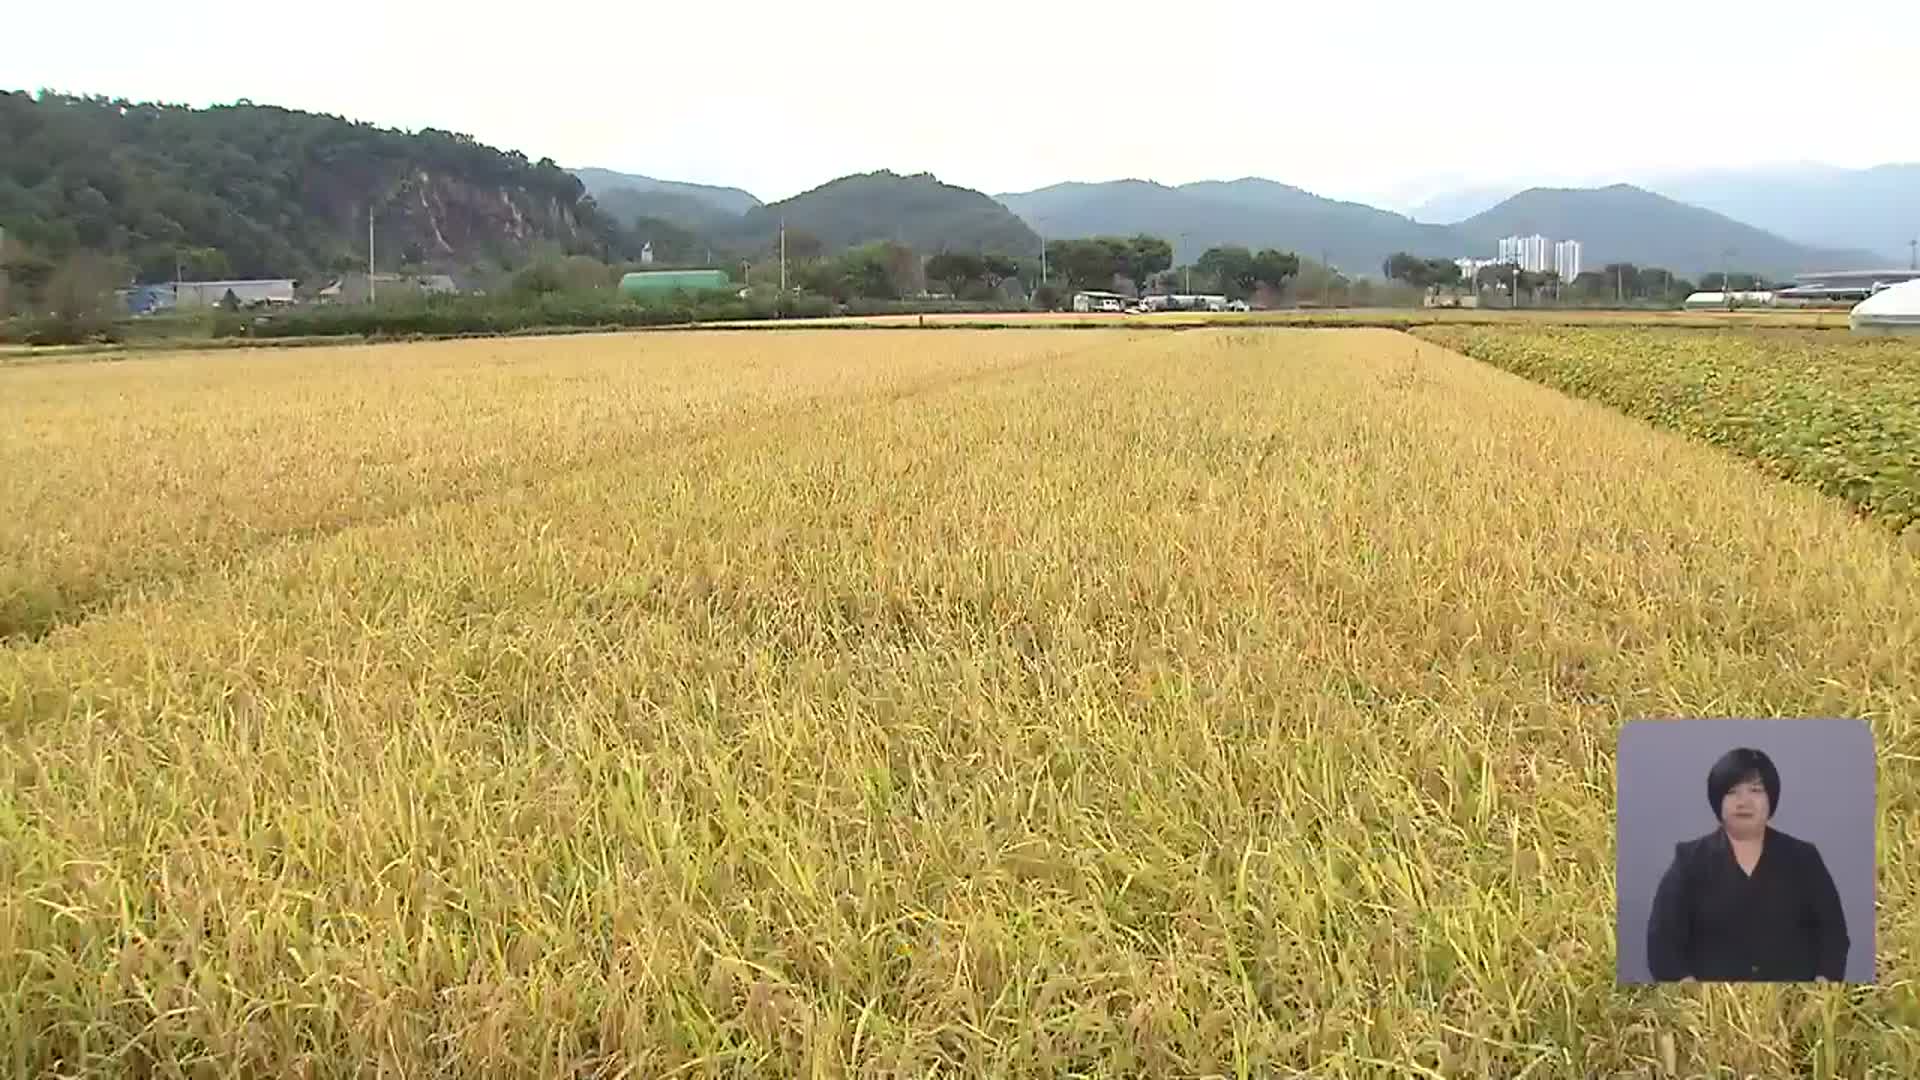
pixel 1453 207
pixel 1620 223
pixel 727 200
pixel 1876 209
pixel 1251 212
pixel 631 199
pixel 1624 223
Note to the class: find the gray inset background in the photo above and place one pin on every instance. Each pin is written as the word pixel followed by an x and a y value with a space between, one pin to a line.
pixel 1826 798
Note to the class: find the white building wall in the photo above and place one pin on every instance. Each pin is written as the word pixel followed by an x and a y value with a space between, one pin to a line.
pixel 1533 254
pixel 1566 259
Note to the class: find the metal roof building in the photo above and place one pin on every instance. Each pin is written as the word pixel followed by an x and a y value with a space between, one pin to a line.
pixel 256 291
pixel 1840 285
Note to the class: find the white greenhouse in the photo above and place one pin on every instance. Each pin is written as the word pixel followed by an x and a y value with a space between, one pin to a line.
pixel 1893 310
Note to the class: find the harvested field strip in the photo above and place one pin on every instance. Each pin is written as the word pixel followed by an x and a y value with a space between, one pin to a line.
pixel 1841 414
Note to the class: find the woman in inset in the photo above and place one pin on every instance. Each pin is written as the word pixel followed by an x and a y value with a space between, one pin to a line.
pixel 1746 902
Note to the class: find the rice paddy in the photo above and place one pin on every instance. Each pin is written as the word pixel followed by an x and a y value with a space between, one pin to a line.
pixel 1236 701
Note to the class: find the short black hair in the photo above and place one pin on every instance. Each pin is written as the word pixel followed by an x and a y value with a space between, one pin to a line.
pixel 1737 767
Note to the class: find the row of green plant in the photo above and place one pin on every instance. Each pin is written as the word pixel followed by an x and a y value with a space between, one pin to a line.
pixel 453 315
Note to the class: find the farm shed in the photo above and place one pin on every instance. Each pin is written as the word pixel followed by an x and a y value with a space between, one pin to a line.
pixel 662 282
pixel 248 293
pixel 1894 310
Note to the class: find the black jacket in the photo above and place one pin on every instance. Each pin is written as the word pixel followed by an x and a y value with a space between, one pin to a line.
pixel 1714 923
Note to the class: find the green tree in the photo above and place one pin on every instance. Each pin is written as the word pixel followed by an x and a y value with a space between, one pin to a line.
pixel 879 271
pixel 1272 269
pixel 27 275
pixel 567 274
pixel 1146 256
pixel 79 296
pixel 1086 263
pixel 958 270
pixel 802 246
pixel 1421 273
pixel 1231 268
pixel 1094 262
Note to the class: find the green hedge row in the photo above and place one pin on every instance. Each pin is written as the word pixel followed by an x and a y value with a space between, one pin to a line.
pixel 454 315
pixel 440 316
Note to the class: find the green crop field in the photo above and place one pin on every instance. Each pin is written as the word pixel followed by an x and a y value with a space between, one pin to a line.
pixel 1024 703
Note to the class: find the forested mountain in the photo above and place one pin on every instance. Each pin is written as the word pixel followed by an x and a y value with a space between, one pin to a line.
pixel 249 190
pixel 1623 223
pixel 252 190
pixel 917 211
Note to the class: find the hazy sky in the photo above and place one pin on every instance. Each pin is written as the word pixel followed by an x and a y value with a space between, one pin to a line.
pixel 1378 101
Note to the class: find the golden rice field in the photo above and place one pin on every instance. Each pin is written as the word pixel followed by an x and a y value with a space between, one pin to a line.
pixel 1232 702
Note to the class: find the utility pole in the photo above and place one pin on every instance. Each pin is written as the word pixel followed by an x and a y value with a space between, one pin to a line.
pixel 370 285
pixel 783 255
pixel 1913 254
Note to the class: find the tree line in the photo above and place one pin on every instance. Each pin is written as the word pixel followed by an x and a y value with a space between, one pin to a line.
pixel 1621 282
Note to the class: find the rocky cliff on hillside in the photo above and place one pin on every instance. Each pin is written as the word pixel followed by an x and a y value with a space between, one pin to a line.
pixel 245 190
